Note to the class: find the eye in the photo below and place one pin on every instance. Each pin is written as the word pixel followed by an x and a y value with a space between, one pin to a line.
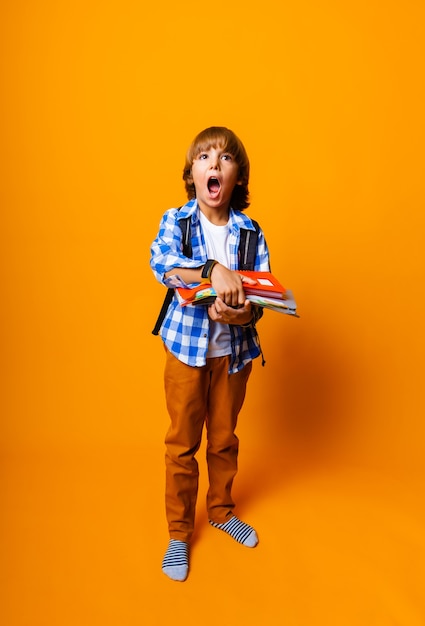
pixel 203 156
pixel 226 157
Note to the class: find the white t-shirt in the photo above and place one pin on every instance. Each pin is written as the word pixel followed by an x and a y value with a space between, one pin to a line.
pixel 217 243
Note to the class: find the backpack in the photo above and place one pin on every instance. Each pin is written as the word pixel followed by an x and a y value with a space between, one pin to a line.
pixel 246 252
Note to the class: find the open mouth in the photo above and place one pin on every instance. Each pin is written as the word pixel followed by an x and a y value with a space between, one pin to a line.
pixel 213 185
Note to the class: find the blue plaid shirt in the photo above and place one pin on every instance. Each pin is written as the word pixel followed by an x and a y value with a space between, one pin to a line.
pixel 185 330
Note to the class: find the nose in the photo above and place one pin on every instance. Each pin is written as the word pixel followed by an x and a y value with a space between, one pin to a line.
pixel 214 163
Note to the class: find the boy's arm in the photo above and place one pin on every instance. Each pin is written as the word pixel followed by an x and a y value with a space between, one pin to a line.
pixel 188 275
pixel 227 284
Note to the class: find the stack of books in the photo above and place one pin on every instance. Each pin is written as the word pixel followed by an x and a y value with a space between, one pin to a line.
pixel 267 292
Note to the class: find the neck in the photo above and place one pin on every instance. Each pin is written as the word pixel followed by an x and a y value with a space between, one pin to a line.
pixel 218 216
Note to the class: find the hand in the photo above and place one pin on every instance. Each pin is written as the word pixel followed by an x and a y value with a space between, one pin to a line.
pixel 223 314
pixel 229 285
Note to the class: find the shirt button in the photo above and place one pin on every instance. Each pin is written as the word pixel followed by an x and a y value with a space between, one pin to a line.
pixel 205 334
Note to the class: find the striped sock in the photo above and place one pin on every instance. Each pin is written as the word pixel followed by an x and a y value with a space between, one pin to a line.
pixel 241 532
pixel 176 560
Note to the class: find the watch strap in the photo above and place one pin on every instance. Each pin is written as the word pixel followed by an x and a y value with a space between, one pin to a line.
pixel 207 269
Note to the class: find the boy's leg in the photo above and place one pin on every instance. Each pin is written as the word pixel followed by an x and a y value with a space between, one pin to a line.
pixel 227 394
pixel 186 390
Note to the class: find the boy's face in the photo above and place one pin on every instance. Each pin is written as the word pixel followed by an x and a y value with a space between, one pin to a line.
pixel 215 174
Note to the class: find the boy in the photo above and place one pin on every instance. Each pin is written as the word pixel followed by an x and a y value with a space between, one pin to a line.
pixel 209 350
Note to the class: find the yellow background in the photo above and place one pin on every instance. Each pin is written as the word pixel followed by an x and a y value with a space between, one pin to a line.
pixel 99 101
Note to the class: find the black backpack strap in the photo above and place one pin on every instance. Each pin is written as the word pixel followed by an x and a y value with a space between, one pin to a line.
pixel 163 311
pixel 248 247
pixel 187 236
pixel 187 251
pixel 247 253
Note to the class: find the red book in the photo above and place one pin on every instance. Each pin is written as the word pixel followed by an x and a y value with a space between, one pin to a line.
pixel 266 285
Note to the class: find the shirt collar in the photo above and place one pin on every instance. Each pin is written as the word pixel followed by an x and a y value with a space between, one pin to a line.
pixel 237 219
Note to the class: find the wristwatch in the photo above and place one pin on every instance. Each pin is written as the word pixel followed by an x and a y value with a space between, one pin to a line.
pixel 207 269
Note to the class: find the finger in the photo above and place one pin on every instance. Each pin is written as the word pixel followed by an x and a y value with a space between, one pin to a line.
pixel 219 304
pixel 248 280
pixel 238 300
pixel 230 298
pixel 241 298
pixel 212 312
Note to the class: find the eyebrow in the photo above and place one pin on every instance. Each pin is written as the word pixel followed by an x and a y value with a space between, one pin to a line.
pixel 223 150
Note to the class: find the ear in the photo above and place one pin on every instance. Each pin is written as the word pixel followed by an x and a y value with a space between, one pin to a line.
pixel 188 177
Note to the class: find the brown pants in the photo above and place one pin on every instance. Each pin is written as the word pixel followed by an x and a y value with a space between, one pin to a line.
pixel 198 395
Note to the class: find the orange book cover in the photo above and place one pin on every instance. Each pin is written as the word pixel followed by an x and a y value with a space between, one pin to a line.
pixel 266 285
pixel 203 293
